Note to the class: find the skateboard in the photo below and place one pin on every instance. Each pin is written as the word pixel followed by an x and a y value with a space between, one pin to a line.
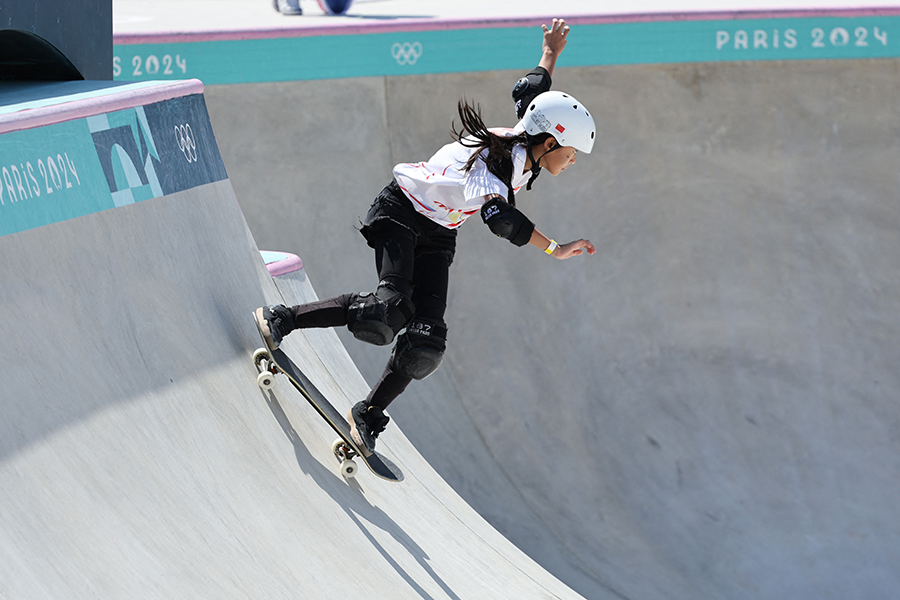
pixel 270 361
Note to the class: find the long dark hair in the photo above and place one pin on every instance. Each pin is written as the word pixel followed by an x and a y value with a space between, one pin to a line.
pixel 475 134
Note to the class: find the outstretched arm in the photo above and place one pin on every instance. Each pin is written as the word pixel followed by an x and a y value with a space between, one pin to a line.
pixel 508 222
pixel 539 79
pixel 563 251
pixel 554 43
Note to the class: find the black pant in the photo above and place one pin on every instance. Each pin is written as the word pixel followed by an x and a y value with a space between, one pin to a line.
pixel 413 254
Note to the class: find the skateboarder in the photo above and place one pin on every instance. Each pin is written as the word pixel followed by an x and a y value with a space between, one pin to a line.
pixel 412 226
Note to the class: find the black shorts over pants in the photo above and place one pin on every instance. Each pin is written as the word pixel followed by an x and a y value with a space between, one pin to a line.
pixel 411 248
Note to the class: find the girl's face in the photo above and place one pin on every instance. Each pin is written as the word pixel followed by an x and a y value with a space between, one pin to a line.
pixel 559 160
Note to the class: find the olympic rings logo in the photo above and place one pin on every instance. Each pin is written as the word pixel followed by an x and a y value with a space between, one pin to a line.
pixel 184 135
pixel 406 53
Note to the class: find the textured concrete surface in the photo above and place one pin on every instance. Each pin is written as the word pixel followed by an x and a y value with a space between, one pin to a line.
pixel 707 408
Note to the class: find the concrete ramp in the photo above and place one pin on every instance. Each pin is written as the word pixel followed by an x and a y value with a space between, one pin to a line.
pixel 710 403
pixel 138 458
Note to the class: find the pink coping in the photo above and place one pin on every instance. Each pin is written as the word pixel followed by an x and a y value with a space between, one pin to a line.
pixel 118 98
pixel 281 263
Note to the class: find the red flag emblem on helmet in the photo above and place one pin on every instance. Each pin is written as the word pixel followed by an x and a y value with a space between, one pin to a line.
pixel 560 128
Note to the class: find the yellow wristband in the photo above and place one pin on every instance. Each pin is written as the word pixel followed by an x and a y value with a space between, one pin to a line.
pixel 553 246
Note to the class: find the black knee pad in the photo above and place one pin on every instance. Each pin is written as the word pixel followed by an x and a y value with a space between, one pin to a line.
pixel 376 318
pixel 420 349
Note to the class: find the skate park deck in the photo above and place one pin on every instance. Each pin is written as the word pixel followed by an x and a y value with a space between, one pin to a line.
pixel 708 405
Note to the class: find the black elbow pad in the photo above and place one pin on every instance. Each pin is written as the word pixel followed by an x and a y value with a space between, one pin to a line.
pixel 526 89
pixel 507 221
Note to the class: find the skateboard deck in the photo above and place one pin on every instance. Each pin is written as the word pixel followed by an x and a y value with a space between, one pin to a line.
pixel 270 361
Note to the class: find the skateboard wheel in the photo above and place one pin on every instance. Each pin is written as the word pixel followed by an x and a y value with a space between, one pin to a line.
pixel 336 447
pixel 348 469
pixel 265 380
pixel 260 354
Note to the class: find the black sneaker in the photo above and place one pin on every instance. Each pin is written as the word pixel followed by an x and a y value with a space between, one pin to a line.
pixel 366 422
pixel 275 322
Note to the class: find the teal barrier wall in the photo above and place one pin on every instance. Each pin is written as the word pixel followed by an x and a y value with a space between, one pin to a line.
pixel 466 50
pixel 70 169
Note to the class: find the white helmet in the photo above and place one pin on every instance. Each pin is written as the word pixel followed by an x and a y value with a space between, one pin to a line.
pixel 562 116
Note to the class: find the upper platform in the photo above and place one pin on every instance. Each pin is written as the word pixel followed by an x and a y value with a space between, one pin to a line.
pixel 242 41
pixel 204 17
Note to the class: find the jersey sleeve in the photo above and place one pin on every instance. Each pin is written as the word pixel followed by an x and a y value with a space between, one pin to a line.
pixel 536 82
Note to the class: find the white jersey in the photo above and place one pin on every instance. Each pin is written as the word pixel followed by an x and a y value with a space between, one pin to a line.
pixel 441 190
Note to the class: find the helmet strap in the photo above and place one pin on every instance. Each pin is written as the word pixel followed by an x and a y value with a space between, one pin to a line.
pixel 535 168
pixel 536 164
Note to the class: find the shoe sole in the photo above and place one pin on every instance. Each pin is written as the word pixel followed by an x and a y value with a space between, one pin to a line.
pixel 264 328
pixel 354 435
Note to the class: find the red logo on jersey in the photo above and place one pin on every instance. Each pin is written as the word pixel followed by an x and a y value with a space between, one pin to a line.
pixel 560 128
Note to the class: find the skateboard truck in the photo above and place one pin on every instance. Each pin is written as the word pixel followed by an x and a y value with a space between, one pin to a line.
pixel 345 454
pixel 267 369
